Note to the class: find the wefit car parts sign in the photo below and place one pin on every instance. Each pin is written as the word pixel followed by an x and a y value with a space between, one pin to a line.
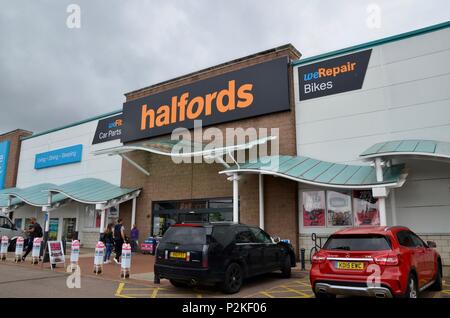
pixel 108 129
pixel 252 91
pixel 341 74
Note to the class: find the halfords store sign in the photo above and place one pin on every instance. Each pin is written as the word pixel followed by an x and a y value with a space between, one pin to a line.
pixel 249 92
pixel 338 75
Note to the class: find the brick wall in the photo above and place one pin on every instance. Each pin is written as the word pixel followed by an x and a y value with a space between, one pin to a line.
pixel 169 181
pixel 14 154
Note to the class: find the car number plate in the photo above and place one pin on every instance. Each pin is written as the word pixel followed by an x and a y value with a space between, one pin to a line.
pixel 178 255
pixel 350 265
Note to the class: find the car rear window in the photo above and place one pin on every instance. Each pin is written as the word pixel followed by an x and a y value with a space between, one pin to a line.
pixel 185 235
pixel 358 243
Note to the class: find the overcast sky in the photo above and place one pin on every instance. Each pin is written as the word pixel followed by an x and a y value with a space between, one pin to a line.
pixel 52 75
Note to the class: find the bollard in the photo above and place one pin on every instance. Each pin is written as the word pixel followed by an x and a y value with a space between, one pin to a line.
pixel 74 255
pixel 4 248
pixel 19 249
pixel 36 251
pixel 302 258
pixel 98 258
pixel 126 261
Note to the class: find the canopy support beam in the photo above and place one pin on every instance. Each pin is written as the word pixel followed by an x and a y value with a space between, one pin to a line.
pixel 381 200
pixel 135 164
pixel 261 201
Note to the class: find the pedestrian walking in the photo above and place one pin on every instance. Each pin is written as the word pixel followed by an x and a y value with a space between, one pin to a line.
pixel 119 239
pixel 134 238
pixel 108 240
pixel 34 230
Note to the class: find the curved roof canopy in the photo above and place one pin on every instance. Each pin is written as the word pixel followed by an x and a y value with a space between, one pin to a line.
pixel 322 173
pixel 88 191
pixel 416 148
pixel 91 191
pixel 35 195
pixel 181 148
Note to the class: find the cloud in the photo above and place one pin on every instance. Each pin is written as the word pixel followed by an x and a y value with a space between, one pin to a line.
pixel 52 75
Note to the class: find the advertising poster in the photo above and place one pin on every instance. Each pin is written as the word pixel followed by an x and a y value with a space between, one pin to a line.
pixel 4 153
pixel 366 208
pixel 339 207
pixel 53 229
pixel 55 252
pixel 313 208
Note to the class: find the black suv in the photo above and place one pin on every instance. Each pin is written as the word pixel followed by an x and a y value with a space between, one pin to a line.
pixel 219 253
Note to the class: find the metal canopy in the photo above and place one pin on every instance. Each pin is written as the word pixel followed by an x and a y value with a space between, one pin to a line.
pixel 416 148
pixel 92 191
pixel 35 195
pixel 321 173
pixel 166 147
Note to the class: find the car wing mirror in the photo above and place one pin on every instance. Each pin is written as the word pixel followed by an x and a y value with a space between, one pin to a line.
pixel 276 239
pixel 431 244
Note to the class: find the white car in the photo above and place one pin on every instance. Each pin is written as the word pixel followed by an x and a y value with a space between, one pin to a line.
pixel 7 228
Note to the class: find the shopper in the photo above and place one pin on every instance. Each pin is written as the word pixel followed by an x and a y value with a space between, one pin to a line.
pixel 119 238
pixel 108 240
pixel 34 230
pixel 134 238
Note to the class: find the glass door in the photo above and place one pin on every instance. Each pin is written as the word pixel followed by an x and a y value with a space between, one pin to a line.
pixel 69 226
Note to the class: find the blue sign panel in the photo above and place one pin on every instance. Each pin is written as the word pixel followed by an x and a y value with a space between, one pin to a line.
pixel 4 153
pixel 58 157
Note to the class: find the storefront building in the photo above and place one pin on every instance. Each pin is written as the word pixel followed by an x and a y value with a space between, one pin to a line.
pixel 182 192
pixel 383 104
pixel 66 187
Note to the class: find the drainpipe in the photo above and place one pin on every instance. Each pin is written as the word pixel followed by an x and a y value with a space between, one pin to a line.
pixel 235 178
pixel 133 212
pixel 261 201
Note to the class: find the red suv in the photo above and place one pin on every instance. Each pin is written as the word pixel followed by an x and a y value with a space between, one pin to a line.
pixel 375 261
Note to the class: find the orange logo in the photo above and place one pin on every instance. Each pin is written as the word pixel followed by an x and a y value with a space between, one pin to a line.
pixel 184 107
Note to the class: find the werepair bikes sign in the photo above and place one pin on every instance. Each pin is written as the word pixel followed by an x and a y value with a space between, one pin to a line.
pixel 333 76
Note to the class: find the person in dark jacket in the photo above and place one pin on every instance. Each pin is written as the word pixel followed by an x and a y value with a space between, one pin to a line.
pixel 119 239
pixel 134 238
pixel 35 230
pixel 108 240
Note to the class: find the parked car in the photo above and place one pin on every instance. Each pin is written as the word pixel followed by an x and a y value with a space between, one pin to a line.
pixel 7 228
pixel 375 261
pixel 222 254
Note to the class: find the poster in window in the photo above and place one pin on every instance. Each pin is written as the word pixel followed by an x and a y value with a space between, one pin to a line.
pixel 313 208
pixel 339 207
pixel 366 208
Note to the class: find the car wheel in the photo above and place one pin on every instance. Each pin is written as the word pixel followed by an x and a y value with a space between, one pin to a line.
pixel 12 246
pixel 286 269
pixel 411 289
pixel 437 285
pixel 178 284
pixel 233 279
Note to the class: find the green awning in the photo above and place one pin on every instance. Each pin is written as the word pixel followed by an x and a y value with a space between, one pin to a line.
pixel 322 173
pixel 417 148
pixel 4 199
pixel 91 191
pixel 35 195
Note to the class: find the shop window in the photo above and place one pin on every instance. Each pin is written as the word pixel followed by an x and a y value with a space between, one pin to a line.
pixel 339 209
pixel 366 208
pixel 92 217
pixel 18 223
pixel 313 208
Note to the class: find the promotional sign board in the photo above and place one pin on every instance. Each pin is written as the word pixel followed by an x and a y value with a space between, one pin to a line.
pixel 341 74
pixel 108 129
pixel 4 154
pixel 56 252
pixel 252 91
pixel 58 157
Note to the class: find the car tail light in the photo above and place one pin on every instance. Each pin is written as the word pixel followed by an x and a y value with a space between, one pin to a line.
pixel 386 260
pixel 318 258
pixel 188 256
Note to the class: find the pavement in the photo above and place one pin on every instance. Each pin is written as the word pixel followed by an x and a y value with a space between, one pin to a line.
pixel 27 280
